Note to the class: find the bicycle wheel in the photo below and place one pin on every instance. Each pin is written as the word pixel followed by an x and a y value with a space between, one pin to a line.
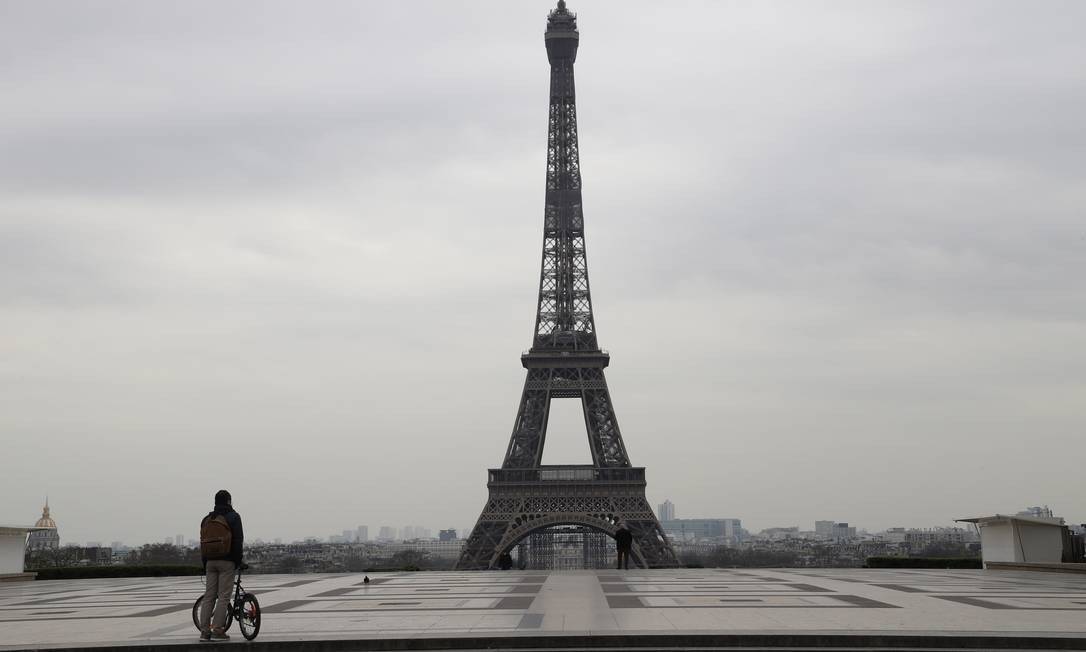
pixel 196 611
pixel 196 614
pixel 249 617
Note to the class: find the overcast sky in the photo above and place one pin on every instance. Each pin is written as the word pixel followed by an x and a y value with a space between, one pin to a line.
pixel 837 253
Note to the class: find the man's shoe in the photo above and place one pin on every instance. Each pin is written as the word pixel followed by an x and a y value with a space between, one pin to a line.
pixel 205 637
pixel 219 635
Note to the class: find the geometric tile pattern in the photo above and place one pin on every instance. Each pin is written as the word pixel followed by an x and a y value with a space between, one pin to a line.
pixel 518 603
pixel 1030 591
pixel 718 591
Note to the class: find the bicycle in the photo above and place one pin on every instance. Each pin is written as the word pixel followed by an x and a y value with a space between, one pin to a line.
pixel 244 607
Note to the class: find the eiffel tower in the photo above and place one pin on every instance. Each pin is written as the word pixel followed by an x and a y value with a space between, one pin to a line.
pixel 564 362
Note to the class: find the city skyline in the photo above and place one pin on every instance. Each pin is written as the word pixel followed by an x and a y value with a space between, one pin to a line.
pixel 388 533
pixel 837 254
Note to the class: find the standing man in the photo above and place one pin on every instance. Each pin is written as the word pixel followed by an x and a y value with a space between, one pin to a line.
pixel 221 538
pixel 623 543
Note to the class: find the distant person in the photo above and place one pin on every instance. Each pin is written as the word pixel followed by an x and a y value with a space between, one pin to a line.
pixel 221 538
pixel 505 561
pixel 623 543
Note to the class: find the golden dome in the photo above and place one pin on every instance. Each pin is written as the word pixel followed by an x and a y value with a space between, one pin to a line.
pixel 45 520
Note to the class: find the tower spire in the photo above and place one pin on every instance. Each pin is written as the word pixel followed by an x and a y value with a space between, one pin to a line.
pixel 564 318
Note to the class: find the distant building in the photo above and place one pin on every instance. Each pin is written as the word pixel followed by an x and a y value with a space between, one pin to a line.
pixel 96 555
pixel 917 538
pixel 438 549
pixel 179 541
pixel 411 532
pixel 666 511
pixel 348 536
pixel 835 531
pixel 780 533
pixel 446 535
pixel 44 539
pixel 724 530
pixel 1036 512
pixel 362 534
pixel 842 532
pixel 922 537
pixel 894 535
pixel 386 533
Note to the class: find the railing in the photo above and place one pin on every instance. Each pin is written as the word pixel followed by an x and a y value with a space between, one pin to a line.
pixel 568 474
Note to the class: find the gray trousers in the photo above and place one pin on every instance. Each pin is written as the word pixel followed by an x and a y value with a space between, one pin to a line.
pixel 220 582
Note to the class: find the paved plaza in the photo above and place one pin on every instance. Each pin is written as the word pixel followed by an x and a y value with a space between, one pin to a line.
pixel 398 607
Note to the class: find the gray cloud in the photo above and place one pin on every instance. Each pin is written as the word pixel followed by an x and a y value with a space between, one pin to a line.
pixel 836 253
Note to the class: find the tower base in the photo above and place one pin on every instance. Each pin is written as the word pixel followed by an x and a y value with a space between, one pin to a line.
pixel 523 501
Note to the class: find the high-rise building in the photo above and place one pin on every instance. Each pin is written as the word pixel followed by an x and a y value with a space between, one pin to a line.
pixel 386 533
pixel 179 540
pixel 446 535
pixel 348 536
pixel 842 532
pixel 667 511
pixel 412 532
pixel 362 534
pixel 824 529
pixel 733 529
pixel 44 539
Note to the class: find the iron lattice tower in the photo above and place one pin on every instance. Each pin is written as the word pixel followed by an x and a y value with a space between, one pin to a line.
pixel 565 361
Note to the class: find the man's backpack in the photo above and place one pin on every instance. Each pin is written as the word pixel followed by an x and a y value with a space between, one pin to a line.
pixel 215 537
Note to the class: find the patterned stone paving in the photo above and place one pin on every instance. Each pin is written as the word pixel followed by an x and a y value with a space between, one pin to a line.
pixel 399 605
